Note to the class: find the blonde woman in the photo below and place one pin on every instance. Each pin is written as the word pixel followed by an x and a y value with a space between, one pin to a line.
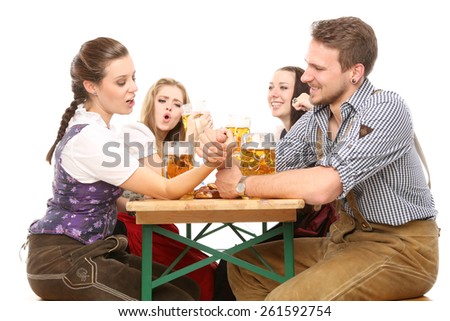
pixel 161 121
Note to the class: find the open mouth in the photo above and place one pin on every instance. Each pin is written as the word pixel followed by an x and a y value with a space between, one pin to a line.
pixel 131 100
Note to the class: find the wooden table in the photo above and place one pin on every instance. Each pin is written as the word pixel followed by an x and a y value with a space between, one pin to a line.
pixel 152 212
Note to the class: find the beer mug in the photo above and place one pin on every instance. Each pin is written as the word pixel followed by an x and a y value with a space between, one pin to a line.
pixel 189 108
pixel 178 157
pixel 257 154
pixel 238 125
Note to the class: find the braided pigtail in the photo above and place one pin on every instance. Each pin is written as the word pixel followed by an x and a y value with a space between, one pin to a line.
pixel 70 111
pixel 80 96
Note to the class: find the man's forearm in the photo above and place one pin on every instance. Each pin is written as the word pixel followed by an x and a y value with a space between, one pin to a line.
pixel 317 185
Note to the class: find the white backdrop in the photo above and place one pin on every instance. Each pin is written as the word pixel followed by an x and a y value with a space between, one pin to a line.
pixel 224 52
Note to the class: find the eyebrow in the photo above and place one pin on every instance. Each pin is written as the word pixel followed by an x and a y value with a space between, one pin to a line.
pixel 315 65
pixel 282 82
pixel 120 77
pixel 125 75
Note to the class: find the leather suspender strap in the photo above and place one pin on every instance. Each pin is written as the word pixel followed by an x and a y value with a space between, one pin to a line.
pixel 422 158
pixel 319 147
pixel 365 226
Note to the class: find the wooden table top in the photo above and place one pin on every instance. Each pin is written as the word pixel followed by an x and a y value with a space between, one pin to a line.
pixel 153 211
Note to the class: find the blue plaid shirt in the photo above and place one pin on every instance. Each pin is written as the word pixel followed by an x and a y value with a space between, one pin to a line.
pixel 373 152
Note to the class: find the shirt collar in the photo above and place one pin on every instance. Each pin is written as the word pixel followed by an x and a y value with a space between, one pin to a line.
pixel 355 100
pixel 360 96
pixel 82 116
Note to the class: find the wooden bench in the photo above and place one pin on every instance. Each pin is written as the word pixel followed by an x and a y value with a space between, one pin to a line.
pixel 419 298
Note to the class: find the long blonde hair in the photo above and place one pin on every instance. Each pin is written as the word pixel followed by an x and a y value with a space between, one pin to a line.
pixel 148 113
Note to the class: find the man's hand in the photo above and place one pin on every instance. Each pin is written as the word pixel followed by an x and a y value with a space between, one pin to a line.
pixel 226 181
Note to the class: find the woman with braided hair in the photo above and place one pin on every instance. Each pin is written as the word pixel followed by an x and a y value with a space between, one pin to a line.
pixel 73 253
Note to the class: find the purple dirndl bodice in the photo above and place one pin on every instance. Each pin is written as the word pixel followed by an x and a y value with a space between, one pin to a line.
pixel 85 212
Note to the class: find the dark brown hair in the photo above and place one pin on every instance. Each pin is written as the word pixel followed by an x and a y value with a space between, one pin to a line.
pixel 299 88
pixel 355 40
pixel 89 64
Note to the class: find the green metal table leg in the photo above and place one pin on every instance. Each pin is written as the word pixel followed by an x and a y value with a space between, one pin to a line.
pixel 147 259
pixel 189 230
pixel 147 256
pixel 288 234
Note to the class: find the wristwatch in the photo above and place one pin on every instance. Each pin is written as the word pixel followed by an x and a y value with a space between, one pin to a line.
pixel 240 187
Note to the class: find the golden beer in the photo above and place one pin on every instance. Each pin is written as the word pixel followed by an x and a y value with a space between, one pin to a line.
pixel 238 132
pixel 185 119
pixel 175 165
pixel 178 157
pixel 257 156
pixel 257 161
pixel 239 126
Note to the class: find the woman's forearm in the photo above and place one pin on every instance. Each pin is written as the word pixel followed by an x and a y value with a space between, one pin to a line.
pixel 188 181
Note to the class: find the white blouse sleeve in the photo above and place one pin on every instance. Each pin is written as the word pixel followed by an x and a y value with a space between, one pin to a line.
pixel 96 154
pixel 139 139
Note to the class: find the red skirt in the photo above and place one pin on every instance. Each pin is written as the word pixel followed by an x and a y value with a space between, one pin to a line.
pixel 166 250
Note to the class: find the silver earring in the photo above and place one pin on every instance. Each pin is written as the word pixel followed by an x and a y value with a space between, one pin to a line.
pixel 353 81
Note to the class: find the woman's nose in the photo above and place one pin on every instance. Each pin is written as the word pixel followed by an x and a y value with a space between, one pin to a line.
pixel 134 87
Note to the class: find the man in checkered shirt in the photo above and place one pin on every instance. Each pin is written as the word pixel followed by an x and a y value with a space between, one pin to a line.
pixel 360 143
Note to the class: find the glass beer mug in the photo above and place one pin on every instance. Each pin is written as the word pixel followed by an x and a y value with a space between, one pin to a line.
pixel 178 157
pixel 238 125
pixel 189 108
pixel 257 154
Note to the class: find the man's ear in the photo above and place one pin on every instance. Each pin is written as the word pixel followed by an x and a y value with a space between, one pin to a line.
pixel 90 87
pixel 358 72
